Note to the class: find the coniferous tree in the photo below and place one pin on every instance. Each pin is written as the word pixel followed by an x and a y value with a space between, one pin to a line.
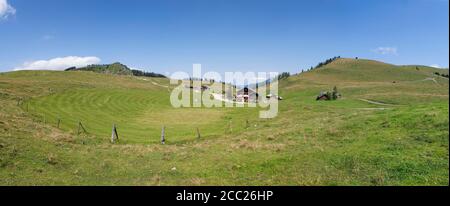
pixel 335 93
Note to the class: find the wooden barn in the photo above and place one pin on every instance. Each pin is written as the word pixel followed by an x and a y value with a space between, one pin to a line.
pixel 247 95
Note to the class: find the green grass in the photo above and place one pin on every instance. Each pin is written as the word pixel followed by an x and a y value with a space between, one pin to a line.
pixel 344 142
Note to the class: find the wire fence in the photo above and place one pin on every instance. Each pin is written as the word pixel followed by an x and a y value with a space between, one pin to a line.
pixel 81 128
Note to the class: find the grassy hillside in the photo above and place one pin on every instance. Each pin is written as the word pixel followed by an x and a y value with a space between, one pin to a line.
pixel 390 128
pixel 368 79
pixel 361 70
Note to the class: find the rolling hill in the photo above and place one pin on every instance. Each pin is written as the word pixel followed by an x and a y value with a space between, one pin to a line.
pixel 389 128
pixel 115 68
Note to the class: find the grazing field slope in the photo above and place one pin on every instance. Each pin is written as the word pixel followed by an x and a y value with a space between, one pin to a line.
pixel 389 128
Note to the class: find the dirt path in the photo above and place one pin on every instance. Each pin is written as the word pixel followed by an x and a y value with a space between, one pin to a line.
pixel 370 109
pixel 431 79
pixel 377 103
pixel 154 83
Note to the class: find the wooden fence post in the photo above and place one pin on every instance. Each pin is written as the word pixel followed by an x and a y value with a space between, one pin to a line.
pixel 198 133
pixel 59 122
pixel 163 138
pixel 115 131
pixel 114 135
pixel 80 126
pixel 247 124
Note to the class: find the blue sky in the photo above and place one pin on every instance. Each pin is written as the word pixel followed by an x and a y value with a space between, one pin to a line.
pixel 222 35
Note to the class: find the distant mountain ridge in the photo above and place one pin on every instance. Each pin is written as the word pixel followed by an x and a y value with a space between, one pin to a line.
pixel 116 68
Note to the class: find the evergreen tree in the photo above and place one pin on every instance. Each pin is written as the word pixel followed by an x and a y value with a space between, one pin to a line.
pixel 335 93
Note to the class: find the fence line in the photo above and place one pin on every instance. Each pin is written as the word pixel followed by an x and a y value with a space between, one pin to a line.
pixel 114 135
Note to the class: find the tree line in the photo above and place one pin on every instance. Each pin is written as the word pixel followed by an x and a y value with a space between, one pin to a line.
pixel 321 64
pixel 140 73
pixel 442 75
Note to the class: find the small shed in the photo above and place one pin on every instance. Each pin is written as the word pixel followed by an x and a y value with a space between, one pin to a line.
pixel 328 96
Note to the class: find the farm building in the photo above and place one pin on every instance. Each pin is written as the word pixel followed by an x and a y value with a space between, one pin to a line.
pixel 247 95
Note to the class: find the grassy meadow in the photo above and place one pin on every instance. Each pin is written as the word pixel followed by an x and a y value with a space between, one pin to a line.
pixel 391 127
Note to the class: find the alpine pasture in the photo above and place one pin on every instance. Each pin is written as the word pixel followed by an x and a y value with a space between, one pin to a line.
pixel 389 128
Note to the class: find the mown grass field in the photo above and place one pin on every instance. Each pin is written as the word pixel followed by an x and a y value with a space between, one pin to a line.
pixel 403 140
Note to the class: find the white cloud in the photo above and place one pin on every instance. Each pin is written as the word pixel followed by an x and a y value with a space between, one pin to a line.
pixel 60 63
pixel 436 66
pixel 386 50
pixel 6 10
